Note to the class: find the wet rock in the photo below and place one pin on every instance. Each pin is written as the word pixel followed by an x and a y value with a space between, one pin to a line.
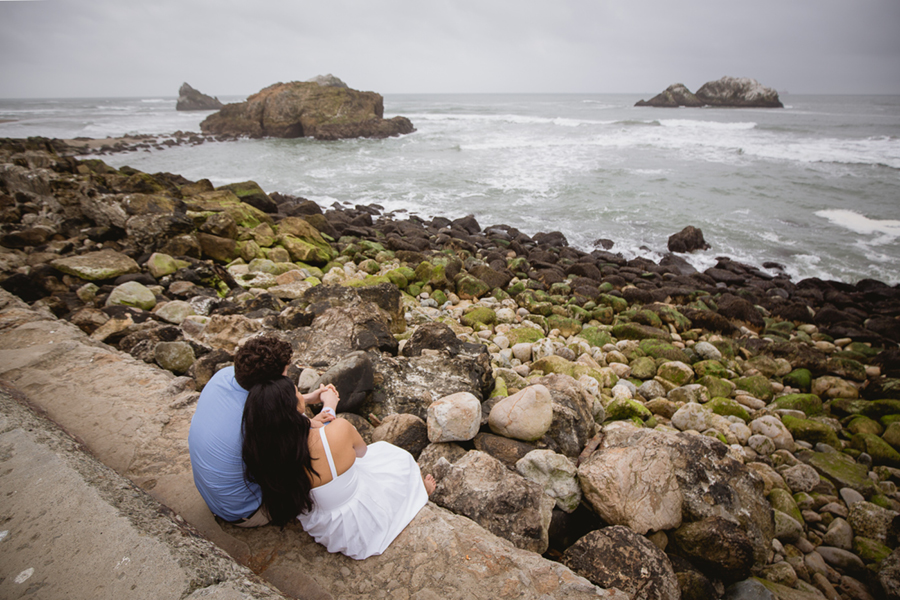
pixel 689 239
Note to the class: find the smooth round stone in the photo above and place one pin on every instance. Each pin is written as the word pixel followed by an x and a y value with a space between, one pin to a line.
pixel 502 342
pixel 522 351
pixel 133 294
pixel 525 416
pixel 175 311
pixel 707 351
pixel 621 392
pixel 851 496
pixel 555 473
pixel 841 559
pixel 761 444
pixel 454 418
pixel 839 534
pixel 773 428
pixel 174 356
pixel 620 369
pixel 801 478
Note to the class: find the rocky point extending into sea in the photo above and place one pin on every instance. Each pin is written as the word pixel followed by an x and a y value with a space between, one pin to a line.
pixel 662 432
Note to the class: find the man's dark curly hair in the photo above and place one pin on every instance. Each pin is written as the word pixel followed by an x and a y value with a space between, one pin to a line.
pixel 261 359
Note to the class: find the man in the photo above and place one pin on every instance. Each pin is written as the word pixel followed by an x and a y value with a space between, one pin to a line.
pixel 215 437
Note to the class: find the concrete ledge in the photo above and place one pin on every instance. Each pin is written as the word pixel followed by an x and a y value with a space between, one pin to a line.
pixel 73 528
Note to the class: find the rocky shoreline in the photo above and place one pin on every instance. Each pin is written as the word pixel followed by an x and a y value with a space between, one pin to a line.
pixel 725 430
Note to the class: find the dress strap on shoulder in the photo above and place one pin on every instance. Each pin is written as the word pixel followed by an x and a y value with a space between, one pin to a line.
pixel 327 452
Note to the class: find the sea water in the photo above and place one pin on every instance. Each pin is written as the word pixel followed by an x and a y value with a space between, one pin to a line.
pixel 814 187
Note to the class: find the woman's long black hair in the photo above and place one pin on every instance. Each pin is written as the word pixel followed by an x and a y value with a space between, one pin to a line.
pixel 275 449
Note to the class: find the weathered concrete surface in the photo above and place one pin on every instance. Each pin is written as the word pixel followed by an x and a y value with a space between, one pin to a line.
pixel 135 417
pixel 74 528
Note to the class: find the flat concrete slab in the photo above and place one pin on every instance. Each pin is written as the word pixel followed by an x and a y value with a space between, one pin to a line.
pixel 71 527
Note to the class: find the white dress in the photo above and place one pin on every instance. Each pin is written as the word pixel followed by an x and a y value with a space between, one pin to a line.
pixel 360 512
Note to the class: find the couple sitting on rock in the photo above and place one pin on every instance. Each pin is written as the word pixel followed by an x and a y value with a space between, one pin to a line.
pixel 257 458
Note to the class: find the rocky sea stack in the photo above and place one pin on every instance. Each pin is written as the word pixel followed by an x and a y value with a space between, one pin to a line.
pixel 659 431
pixel 191 99
pixel 319 108
pixel 728 92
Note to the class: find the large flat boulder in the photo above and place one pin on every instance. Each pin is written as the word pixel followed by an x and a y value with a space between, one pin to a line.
pixel 307 109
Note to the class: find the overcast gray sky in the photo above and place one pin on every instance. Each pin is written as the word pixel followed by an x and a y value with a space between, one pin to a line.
pixel 74 48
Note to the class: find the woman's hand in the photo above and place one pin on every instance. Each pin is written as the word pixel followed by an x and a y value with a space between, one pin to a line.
pixel 315 396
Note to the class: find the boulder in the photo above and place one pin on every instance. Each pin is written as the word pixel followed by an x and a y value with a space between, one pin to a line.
pixel 617 557
pixel 738 92
pixel 526 415
pixel 673 96
pixel 405 431
pixel 191 99
pixel 307 109
pixel 505 503
pixel 672 469
pixel 555 473
pixel 97 266
pixel 454 418
pixel 354 378
pixel 689 239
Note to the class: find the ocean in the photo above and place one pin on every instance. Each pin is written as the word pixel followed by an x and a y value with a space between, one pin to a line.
pixel 814 187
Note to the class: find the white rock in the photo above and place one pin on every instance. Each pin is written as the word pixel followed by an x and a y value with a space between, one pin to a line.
pixel 773 428
pixel 526 415
pixel 555 473
pixel 454 418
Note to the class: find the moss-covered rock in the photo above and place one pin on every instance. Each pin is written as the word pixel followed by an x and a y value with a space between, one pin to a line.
pixel 657 348
pixel 869 550
pixel 846 368
pixel 863 424
pixel 880 451
pixel 782 500
pixel 798 378
pixel 643 368
pixel 519 335
pixel 622 409
pixel 810 404
pixel 711 367
pixel 595 336
pixel 843 471
pixel 874 409
pixel 728 407
pixel 567 326
pixel 811 431
pixel 306 250
pixel 616 303
pixel 603 314
pixel 758 386
pixel 892 435
pixel 479 316
pixel 636 331
pixel 243 214
pixel 717 386
pixel 678 373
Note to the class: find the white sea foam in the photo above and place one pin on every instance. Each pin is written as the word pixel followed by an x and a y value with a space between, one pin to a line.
pixel 715 125
pixel 885 231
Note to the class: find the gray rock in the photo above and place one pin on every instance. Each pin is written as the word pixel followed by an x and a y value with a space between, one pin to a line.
pixel 406 431
pixel 651 389
pixel 889 576
pixel 174 356
pixel 573 417
pixel 872 521
pixel 555 473
pixel 618 557
pixel 707 351
pixel 97 266
pixel 505 503
pixel 851 496
pixel 354 378
pixel 454 418
pixel 749 589
pixel 738 92
pixel 787 529
pixel 432 453
pixel 800 478
pixel 839 535
pixel 842 559
pixel 191 99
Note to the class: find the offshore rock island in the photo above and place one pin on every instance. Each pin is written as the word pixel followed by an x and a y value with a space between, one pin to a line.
pixel 645 430
pixel 727 92
pixel 323 108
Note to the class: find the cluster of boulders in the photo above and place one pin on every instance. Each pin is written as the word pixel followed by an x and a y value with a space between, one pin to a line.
pixel 659 430
pixel 143 142
pixel 727 92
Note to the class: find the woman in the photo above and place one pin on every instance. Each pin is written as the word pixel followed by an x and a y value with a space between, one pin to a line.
pixel 352 498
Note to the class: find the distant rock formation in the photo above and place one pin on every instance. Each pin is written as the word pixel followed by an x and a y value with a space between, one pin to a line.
pixel 740 92
pixel 731 92
pixel 324 111
pixel 674 95
pixel 191 99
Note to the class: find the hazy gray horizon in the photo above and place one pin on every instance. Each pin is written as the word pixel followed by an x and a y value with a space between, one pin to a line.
pixel 107 48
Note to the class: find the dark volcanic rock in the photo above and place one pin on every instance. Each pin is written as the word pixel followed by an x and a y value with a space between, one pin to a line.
pixel 618 557
pixel 688 239
pixel 673 96
pixel 303 109
pixel 191 99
